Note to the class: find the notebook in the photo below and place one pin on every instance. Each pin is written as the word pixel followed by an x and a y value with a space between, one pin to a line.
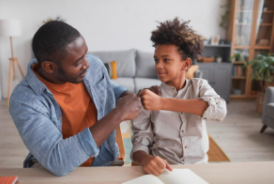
pixel 177 176
pixel 8 179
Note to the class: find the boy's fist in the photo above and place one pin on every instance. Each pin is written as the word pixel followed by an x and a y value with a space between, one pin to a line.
pixel 150 100
pixel 154 165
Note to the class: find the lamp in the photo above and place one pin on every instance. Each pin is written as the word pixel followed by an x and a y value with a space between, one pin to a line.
pixel 11 28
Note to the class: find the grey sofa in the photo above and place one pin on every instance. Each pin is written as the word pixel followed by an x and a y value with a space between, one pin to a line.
pixel 135 69
pixel 268 109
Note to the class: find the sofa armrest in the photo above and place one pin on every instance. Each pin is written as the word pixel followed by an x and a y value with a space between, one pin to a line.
pixel 269 95
pixel 198 74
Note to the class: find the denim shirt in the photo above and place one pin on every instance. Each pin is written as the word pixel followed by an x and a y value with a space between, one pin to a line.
pixel 38 119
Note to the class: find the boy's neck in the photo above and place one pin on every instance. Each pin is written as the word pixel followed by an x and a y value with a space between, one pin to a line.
pixel 178 83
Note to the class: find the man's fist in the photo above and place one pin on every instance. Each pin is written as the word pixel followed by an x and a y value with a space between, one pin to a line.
pixel 130 105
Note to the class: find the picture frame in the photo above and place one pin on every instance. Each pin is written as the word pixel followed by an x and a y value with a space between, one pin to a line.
pixel 215 40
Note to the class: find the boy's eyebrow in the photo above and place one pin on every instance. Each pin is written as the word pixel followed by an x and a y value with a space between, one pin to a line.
pixel 163 56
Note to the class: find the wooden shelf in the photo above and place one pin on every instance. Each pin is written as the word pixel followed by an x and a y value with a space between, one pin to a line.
pixel 266 24
pixel 268 11
pixel 241 47
pixel 221 45
pixel 238 63
pixel 243 24
pixel 245 11
pixel 238 77
pixel 237 96
pixel 262 47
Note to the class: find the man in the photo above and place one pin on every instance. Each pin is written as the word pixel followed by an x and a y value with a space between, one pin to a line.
pixel 66 108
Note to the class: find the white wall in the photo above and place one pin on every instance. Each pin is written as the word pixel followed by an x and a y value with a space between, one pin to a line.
pixel 105 24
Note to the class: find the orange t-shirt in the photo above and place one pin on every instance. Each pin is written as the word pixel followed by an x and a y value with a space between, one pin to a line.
pixel 78 109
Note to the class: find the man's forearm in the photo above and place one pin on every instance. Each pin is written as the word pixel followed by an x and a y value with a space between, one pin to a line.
pixel 193 106
pixel 125 93
pixel 103 128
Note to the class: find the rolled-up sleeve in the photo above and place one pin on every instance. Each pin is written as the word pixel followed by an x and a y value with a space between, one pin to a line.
pixel 45 142
pixel 118 90
pixel 142 133
pixel 216 110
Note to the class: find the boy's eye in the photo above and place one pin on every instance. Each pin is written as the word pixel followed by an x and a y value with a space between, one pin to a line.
pixel 156 60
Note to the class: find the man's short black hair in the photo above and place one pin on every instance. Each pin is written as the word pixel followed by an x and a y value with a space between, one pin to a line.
pixel 50 41
pixel 180 34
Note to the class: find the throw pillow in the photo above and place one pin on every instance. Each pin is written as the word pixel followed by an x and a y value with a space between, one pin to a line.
pixel 112 69
pixel 191 70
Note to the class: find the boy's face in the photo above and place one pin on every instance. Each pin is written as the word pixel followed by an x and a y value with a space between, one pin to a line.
pixel 169 65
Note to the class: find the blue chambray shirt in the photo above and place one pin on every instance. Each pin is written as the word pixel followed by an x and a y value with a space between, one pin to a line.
pixel 38 119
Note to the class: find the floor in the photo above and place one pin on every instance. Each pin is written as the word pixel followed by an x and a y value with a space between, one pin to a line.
pixel 238 135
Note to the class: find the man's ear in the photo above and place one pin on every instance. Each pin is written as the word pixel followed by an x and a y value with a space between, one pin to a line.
pixel 187 64
pixel 49 66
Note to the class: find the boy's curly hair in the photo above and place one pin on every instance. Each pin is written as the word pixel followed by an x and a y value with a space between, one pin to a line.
pixel 190 44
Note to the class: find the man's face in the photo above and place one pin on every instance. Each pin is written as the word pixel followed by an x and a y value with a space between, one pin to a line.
pixel 169 65
pixel 74 66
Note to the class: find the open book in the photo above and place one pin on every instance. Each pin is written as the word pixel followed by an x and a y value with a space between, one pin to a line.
pixel 177 176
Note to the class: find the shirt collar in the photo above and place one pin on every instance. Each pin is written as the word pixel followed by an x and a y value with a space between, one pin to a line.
pixel 34 82
pixel 172 90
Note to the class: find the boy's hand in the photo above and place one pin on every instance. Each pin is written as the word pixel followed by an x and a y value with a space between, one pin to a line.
pixel 155 89
pixel 150 100
pixel 154 165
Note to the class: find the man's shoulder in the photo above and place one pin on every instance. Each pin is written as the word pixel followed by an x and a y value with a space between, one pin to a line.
pixel 94 60
pixel 24 94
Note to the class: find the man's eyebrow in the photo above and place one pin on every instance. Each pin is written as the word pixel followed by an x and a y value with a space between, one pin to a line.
pixel 81 57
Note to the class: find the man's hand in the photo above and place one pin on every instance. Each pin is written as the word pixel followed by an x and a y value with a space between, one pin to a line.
pixel 130 106
pixel 154 89
pixel 150 100
pixel 154 165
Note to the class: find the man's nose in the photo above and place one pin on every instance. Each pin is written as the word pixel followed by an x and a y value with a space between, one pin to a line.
pixel 86 64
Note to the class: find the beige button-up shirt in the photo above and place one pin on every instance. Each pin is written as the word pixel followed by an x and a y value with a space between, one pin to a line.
pixel 178 137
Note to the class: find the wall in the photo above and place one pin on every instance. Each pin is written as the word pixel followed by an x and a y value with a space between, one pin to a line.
pixel 105 24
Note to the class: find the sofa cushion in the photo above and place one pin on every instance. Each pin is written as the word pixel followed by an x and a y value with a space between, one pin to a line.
pixel 269 109
pixel 145 65
pixel 127 82
pixel 125 61
pixel 142 83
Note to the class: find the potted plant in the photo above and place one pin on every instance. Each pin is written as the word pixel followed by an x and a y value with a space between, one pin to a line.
pixel 218 58
pixel 262 72
pixel 238 57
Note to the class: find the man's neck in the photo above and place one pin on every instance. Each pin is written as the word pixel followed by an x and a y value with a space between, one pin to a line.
pixel 47 77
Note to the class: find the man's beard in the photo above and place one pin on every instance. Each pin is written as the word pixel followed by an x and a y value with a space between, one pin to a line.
pixel 65 78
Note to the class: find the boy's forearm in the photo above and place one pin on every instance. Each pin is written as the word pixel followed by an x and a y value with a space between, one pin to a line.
pixel 138 156
pixel 192 106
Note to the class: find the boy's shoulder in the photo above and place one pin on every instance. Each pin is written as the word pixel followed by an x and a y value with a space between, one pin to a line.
pixel 198 81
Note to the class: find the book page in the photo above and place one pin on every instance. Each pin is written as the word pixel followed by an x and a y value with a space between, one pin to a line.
pixel 146 179
pixel 181 176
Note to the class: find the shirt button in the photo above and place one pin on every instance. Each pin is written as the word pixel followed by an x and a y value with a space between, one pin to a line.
pixel 185 147
pixel 59 118
pixel 183 131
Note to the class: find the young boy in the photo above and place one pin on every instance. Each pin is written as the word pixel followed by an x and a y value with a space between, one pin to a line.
pixel 172 126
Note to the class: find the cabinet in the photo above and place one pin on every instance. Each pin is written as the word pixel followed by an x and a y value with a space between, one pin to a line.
pixel 250 29
pixel 218 76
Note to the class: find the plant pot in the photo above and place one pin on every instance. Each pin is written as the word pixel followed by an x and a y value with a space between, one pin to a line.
pixel 260 102
pixel 219 60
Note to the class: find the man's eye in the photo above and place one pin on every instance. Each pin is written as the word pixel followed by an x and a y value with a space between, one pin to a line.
pixel 166 59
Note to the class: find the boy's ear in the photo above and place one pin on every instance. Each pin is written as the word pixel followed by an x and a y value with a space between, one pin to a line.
pixel 187 63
